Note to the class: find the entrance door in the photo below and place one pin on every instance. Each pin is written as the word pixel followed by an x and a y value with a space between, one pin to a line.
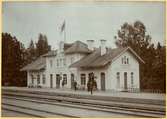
pixel 103 81
pixel 51 83
pixel 72 81
pixel 57 81
pixel 125 81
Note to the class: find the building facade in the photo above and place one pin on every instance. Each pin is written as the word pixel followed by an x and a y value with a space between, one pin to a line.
pixel 114 69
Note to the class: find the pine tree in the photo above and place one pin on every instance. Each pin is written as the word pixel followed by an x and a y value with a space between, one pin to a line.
pixel 42 46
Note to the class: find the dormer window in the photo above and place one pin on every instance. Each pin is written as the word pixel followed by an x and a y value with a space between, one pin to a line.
pixel 125 60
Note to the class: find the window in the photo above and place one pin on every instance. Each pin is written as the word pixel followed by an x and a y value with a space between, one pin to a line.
pixel 64 62
pixel 122 60
pixel 118 80
pixel 83 79
pixel 32 79
pixel 60 62
pixel 57 62
pixel 125 60
pixel 43 78
pixel 65 79
pixel 132 79
pixel 38 79
pixel 51 63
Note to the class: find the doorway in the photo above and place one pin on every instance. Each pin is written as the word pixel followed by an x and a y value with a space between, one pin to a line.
pixel 72 81
pixel 103 81
pixel 51 83
pixel 125 81
pixel 57 81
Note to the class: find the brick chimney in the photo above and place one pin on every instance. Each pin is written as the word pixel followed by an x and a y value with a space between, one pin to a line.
pixel 90 44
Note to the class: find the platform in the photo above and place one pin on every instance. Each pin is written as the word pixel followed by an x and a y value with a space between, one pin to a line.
pixel 140 95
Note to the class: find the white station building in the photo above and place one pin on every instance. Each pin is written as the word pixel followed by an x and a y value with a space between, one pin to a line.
pixel 114 69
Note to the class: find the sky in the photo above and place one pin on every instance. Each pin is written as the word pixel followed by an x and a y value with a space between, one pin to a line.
pixel 84 20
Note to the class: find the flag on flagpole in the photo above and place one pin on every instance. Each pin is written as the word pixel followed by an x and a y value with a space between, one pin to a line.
pixel 63 26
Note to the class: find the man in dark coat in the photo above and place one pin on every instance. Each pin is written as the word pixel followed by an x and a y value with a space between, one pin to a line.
pixel 75 85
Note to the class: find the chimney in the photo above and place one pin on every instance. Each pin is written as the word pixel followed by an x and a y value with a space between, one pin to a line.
pixel 90 44
pixel 103 47
pixel 61 46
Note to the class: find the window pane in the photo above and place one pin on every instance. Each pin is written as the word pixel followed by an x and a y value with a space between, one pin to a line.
pixel 43 79
pixel 38 79
pixel 127 60
pixel 65 79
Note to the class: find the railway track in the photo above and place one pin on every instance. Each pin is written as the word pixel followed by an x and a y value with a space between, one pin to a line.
pixel 107 107
pixel 33 112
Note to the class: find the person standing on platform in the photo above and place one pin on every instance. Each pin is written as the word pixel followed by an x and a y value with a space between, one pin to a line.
pixel 91 82
pixel 75 85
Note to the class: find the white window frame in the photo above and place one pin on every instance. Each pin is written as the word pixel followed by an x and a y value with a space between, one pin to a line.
pixel 65 79
pixel 38 79
pixel 83 79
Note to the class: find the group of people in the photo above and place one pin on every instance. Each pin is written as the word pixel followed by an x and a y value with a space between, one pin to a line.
pixel 91 85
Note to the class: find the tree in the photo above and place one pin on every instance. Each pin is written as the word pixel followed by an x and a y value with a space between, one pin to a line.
pixel 159 67
pixel 134 35
pixel 31 52
pixel 12 61
pixel 42 46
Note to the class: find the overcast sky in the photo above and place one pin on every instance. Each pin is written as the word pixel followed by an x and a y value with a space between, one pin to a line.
pixel 91 20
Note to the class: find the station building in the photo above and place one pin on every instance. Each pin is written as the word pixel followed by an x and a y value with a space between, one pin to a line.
pixel 114 69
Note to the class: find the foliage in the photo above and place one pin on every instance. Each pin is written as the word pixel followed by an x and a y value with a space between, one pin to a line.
pixel 153 71
pixel 42 46
pixel 15 56
pixel 12 61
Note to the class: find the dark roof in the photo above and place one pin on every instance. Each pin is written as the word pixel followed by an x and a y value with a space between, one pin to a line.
pixel 96 60
pixel 50 53
pixel 78 47
pixel 38 64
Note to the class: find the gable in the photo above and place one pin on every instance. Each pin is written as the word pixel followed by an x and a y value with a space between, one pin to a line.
pixel 125 60
pixel 132 53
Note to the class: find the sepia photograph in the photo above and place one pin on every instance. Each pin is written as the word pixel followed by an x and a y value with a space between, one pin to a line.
pixel 94 59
